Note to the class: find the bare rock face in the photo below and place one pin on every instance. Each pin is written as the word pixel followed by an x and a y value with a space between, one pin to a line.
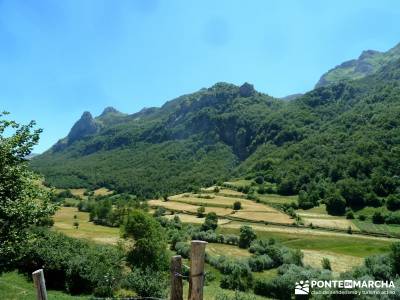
pixel 246 90
pixel 86 125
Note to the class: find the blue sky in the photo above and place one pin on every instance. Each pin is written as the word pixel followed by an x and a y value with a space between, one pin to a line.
pixel 59 58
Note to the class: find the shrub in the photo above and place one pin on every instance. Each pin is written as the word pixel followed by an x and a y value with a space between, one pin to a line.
pixel 371 199
pixel 378 218
pixel 326 264
pixel 350 215
pixel 159 212
pixel 393 202
pixel 176 236
pixel 335 204
pixel 259 263
pixel 210 222
pixel 73 264
pixel 247 235
pixel 244 189
pixel 259 180
pixel 362 217
pixel 237 205
pixel 261 190
pixel 237 276
pixel 183 249
pixel 304 200
pixel 353 192
pixel 147 283
pixel 232 239
pixel 281 287
pixel 200 212
pixel 393 218
pixel 349 230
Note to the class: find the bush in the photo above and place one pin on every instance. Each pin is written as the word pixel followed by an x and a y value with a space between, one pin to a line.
pixel 281 287
pixel 259 180
pixel 237 276
pixel 393 218
pixel 326 264
pixel 378 218
pixel 352 191
pixel 159 212
pixel 350 215
pixel 335 204
pixel 371 199
pixel 261 190
pixel 232 239
pixel 147 283
pixel 200 212
pixel 73 264
pixel 183 249
pixel 210 222
pixel 362 217
pixel 259 263
pixel 349 230
pixel 247 235
pixel 237 205
pixel 393 202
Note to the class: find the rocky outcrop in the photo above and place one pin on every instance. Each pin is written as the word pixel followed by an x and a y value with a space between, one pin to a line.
pixel 246 90
pixel 85 126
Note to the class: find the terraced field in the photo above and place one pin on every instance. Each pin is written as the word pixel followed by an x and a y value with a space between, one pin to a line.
pixel 222 205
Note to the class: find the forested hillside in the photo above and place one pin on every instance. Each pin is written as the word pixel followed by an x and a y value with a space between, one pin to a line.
pixel 339 142
pixel 190 141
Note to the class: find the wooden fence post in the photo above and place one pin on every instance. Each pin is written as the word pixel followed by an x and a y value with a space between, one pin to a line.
pixel 40 285
pixel 176 278
pixel 196 281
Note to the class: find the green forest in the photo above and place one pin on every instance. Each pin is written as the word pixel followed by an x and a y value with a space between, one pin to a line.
pixel 337 144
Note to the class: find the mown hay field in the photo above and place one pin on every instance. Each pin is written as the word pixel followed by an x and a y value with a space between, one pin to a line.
pixel 223 206
pixel 339 262
pixel 64 222
pixel 192 219
pixel 184 207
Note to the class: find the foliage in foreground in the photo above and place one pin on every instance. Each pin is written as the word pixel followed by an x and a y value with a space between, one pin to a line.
pixel 74 265
pixel 23 202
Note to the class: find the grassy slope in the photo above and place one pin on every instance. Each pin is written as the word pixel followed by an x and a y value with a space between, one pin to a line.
pixel 64 219
pixel 14 286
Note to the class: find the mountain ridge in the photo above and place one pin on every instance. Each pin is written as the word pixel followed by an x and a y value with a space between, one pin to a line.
pixel 366 64
pixel 345 133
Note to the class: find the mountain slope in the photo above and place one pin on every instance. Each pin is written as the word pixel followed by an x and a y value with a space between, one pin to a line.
pixel 341 139
pixel 190 141
pixel 351 144
pixel 368 63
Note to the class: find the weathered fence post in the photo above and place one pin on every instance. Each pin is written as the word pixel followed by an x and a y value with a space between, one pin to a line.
pixel 40 285
pixel 196 281
pixel 176 278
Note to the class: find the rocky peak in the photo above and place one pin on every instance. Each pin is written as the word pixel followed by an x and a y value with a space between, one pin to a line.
pixel 109 110
pixel 246 90
pixel 367 54
pixel 86 125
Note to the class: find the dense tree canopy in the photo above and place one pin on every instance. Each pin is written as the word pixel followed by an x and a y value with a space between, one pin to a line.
pixel 23 202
